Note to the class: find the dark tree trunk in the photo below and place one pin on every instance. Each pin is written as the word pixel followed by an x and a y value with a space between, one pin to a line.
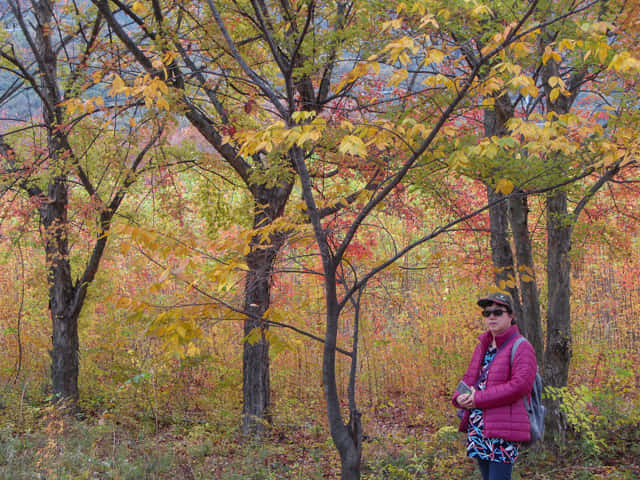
pixel 64 317
pixel 513 211
pixel 529 321
pixel 346 437
pixel 558 352
pixel 255 357
pixel 269 204
pixel 65 297
pixel 53 213
pixel 501 253
pixel 560 223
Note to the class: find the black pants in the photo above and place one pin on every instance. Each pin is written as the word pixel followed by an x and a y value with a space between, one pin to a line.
pixel 495 470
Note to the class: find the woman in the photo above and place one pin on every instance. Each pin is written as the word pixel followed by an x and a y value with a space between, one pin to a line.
pixel 494 415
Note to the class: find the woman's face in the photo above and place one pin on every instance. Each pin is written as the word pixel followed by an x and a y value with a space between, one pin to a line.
pixel 497 324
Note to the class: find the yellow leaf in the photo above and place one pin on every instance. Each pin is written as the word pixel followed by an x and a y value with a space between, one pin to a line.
pixel 180 330
pixel 162 103
pixel 434 56
pixel 458 159
pixel 117 86
pixel 192 350
pixel 302 116
pixel 526 84
pixel 549 53
pixel 125 247
pixel 72 105
pixel 397 77
pixel 555 81
pixel 253 336
pixel 392 24
pixel 504 186
pixel 531 91
pixel 488 102
pixel 439 80
pixel 429 19
pixel 139 8
pixel 353 145
pixel 554 94
pixel 566 44
pixel 623 62
pixel 521 49
pixel 346 124
pixel 482 10
pixel 353 75
pixel 603 51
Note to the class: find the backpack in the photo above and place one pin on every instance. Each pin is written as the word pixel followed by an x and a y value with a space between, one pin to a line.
pixel 535 409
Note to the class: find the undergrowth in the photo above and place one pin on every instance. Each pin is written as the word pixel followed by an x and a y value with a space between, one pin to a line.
pixel 48 443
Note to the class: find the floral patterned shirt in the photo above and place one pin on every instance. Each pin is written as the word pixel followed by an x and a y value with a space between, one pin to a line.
pixel 488 449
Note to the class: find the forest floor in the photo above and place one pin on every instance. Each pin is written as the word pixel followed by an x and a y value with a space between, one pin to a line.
pixel 398 445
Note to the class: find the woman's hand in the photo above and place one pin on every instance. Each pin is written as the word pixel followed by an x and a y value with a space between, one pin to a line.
pixel 467 400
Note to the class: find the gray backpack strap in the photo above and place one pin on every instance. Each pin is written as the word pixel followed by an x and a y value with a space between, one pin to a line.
pixel 515 346
pixel 513 352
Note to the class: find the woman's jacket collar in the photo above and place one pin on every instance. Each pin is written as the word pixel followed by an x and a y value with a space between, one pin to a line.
pixel 486 337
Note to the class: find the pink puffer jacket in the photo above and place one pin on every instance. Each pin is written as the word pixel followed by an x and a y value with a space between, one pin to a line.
pixel 501 401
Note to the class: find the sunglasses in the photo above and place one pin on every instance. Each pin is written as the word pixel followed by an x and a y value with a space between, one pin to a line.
pixel 497 312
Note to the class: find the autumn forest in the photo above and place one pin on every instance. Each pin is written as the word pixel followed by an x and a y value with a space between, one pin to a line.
pixel 244 239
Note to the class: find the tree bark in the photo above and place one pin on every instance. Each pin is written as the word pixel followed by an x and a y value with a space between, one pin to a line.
pixel 53 213
pixel 501 253
pixel 560 223
pixel 513 212
pixel 64 318
pixel 60 168
pixel 495 121
pixel 255 357
pixel 346 437
pixel 558 352
pixel 260 261
pixel 529 321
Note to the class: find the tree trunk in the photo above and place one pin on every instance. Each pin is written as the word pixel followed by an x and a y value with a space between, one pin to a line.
pixel 529 321
pixel 347 438
pixel 53 213
pixel 64 317
pixel 255 357
pixel 256 388
pixel 559 229
pixel 501 254
pixel 558 352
